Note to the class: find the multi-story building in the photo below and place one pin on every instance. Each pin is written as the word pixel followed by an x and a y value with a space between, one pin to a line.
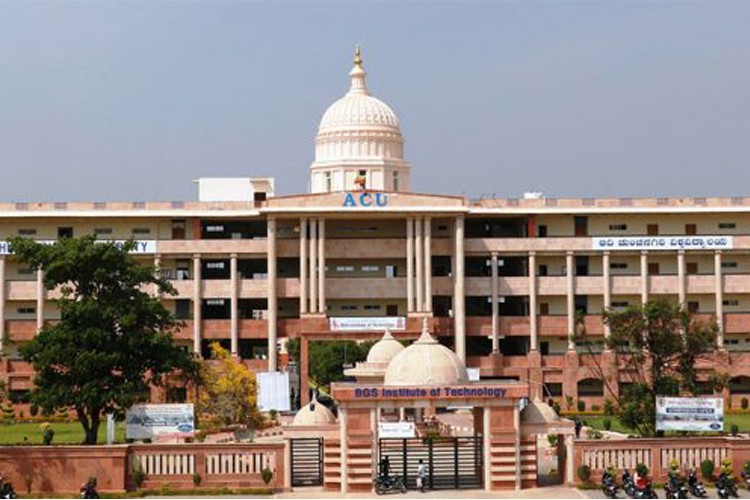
pixel 500 280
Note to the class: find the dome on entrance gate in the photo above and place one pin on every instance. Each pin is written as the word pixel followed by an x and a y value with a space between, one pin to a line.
pixel 384 349
pixel 314 413
pixel 426 362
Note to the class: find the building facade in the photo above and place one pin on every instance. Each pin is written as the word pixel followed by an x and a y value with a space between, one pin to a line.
pixel 500 281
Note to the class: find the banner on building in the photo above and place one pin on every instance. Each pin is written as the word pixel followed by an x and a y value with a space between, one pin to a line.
pixel 377 324
pixel 141 246
pixel 273 391
pixel 663 243
pixel 396 430
pixel 689 414
pixel 159 420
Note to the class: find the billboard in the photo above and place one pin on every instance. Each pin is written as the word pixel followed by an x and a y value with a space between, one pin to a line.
pixel 159 420
pixel 663 243
pixel 273 391
pixel 689 414
pixel 396 430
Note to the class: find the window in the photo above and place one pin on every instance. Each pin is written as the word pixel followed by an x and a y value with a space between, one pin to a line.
pixel 215 302
pixel 730 303
pixel 103 230
pixel 215 265
pixel 542 231
pixel 691 229
pixel 370 269
pixel 729 265
pixel 727 225
pixel 26 310
pixel 618 227
pixel 344 269
pixel 395 181
pixel 347 307
pixel 623 303
pixel 27 232
pixel 328 185
pixel 618 265
pixel 372 307
pixel 141 230
pixel 215 229
pixel 25 270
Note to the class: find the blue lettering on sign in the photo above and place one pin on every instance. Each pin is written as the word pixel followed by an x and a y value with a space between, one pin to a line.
pixel 365 200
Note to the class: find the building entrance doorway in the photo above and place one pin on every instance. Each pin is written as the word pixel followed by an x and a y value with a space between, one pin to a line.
pixel 451 462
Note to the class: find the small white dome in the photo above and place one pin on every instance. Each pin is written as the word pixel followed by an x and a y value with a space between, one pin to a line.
pixel 355 111
pixel 426 362
pixel 384 349
pixel 314 413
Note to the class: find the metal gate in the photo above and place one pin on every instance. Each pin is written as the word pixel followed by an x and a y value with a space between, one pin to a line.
pixel 306 455
pixel 452 462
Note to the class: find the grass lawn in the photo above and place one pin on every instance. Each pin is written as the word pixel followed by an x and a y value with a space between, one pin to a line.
pixel 742 420
pixel 71 433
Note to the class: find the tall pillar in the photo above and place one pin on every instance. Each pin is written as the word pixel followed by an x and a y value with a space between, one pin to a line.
pixel 313 265
pixel 569 460
pixel 420 263
pixel 409 264
pixel 427 264
pixel 644 277
pixel 517 437
pixel 487 448
pixel 719 289
pixel 459 299
pixel 303 265
pixel 344 450
pixel 571 299
pixel 607 289
pixel 304 371
pixel 682 293
pixel 197 309
pixel 533 323
pixel 40 296
pixel 322 266
pixel 495 308
pixel 234 304
pixel 157 271
pixel 2 301
pixel 272 299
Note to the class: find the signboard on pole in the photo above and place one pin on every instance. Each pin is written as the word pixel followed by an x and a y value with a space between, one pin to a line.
pixel 376 324
pixel 273 391
pixel 396 430
pixel 689 414
pixel 163 420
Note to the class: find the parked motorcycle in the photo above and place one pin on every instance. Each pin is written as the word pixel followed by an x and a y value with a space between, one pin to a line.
pixel 389 484
pixel 695 486
pixel 628 486
pixel 646 492
pixel 609 485
pixel 88 489
pixel 725 486
pixel 675 488
pixel 6 489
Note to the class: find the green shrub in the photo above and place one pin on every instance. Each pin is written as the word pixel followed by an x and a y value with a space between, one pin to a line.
pixel 707 469
pixel 581 405
pixel 266 474
pixel 746 469
pixel 33 410
pixel 735 429
pixel 552 439
pixel 609 407
pixel 607 424
pixel 595 408
pixel 139 476
pixel 556 407
pixel 569 402
pixel 642 469
pixel 584 473
pixel 197 479
pixel 744 403
pixel 273 415
pixel 592 433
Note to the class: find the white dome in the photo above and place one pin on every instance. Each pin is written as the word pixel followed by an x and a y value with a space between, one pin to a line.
pixel 426 362
pixel 359 111
pixel 385 349
pixel 314 413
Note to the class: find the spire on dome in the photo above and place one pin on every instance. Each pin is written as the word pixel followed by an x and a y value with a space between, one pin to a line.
pixel 358 75
pixel 426 338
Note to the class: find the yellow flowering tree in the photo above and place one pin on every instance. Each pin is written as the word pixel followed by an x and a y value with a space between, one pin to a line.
pixel 228 391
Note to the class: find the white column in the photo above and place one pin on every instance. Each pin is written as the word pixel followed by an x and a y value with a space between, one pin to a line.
pixel 719 288
pixel 681 278
pixel 322 266
pixel 409 264
pixel 570 458
pixel 233 304
pixel 533 326
pixel 272 299
pixel 517 429
pixel 303 265
pixel 197 310
pixel 2 300
pixel 420 264
pixel 495 306
pixel 344 449
pixel 40 296
pixel 459 299
pixel 313 265
pixel 427 264
pixel 571 299
pixel 644 277
pixel 607 289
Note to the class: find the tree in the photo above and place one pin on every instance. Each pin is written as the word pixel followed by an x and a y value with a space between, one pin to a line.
pixel 228 390
pixel 327 358
pixel 656 346
pixel 113 340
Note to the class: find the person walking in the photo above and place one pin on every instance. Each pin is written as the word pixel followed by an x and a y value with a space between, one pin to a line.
pixel 421 475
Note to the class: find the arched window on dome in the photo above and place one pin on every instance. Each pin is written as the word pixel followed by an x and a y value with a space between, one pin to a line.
pixel 327 186
pixel 395 181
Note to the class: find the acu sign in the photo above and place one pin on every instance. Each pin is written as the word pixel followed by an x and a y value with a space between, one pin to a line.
pixel 365 199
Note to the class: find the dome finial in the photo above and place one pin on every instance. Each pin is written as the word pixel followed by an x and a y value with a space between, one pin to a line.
pixel 358 74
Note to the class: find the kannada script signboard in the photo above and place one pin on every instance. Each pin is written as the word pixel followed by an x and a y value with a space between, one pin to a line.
pixel 689 414
pixel 663 243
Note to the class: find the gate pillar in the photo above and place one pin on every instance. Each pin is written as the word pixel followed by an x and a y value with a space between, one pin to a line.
pixel 502 442
pixel 357 458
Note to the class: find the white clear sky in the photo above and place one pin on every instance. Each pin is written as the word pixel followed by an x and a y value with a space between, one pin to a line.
pixel 132 100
